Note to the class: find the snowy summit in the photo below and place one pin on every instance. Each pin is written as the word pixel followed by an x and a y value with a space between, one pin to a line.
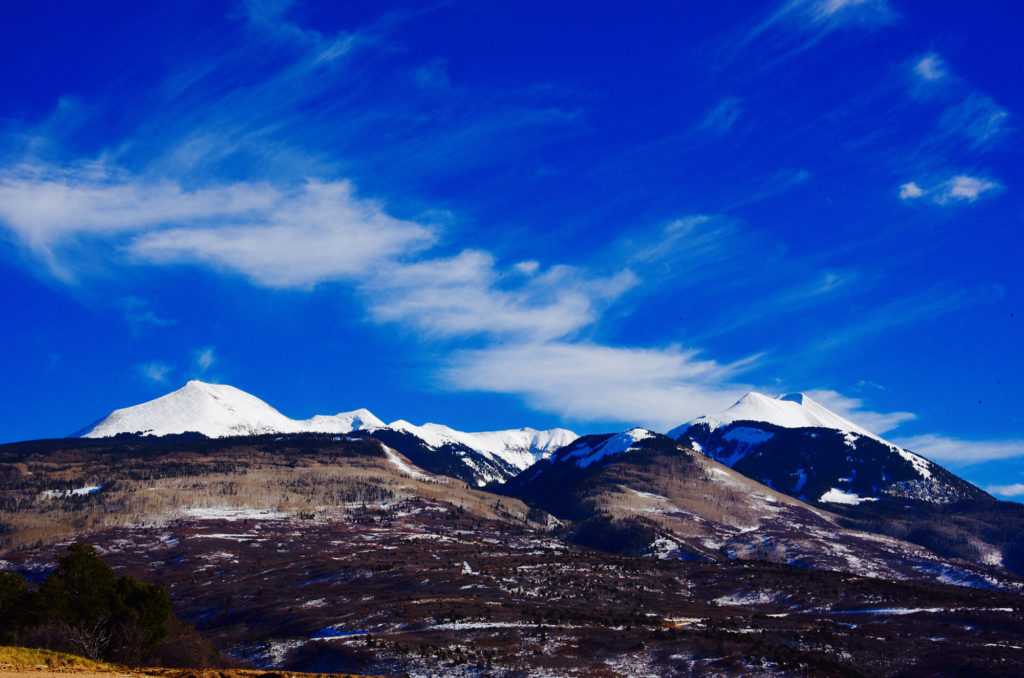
pixel 793 410
pixel 217 411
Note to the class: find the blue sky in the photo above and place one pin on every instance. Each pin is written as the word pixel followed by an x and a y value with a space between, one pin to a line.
pixel 495 215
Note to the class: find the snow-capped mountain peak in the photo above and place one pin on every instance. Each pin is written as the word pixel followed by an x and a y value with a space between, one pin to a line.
pixel 217 411
pixel 794 444
pixel 792 410
pixel 344 422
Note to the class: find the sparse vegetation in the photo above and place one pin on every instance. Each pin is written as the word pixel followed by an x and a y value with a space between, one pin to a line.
pixel 142 480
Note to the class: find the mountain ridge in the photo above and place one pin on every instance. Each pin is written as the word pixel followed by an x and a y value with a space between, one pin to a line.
pixel 800 447
pixel 220 410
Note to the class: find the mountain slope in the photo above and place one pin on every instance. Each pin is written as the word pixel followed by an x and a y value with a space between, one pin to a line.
pixel 876 486
pixel 478 458
pixel 644 493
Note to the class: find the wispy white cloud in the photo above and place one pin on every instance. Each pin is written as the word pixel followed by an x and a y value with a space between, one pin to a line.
pixel 722 117
pixel 827 15
pixel 281 238
pixel 321 232
pixel 812 20
pixel 205 358
pixel 464 295
pixel 911 190
pixel 696 238
pixel 931 68
pixel 957 189
pixel 962 452
pixel 793 299
pixel 297 238
pixel 789 28
pixel 1014 490
pixel 139 315
pixel 155 371
pixel 43 204
pixel 978 118
pixel 527 267
pixel 969 120
pixel 659 388
pixel 853 409
pixel 963 188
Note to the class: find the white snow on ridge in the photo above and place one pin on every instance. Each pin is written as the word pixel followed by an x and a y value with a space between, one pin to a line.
pixel 793 410
pixel 519 448
pixel 403 465
pixel 920 464
pixel 77 492
pixel 219 410
pixel 585 455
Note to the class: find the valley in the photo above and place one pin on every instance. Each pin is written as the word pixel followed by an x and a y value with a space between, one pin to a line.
pixel 328 553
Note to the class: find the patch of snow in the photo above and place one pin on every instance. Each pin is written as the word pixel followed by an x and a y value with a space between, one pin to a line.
pixel 664 548
pixel 403 466
pixel 993 557
pixel 229 513
pixel 920 464
pixel 837 496
pixel 458 626
pixel 585 455
pixel 647 495
pixel 752 598
pixel 77 492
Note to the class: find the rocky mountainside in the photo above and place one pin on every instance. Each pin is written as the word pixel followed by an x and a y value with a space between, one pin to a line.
pixel 643 493
pixel 799 447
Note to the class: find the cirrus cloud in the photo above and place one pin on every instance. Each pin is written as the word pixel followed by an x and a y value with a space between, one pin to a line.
pixel 655 387
pixel 1014 490
pixel 320 232
pixel 956 450
pixel 853 409
pixel 957 189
